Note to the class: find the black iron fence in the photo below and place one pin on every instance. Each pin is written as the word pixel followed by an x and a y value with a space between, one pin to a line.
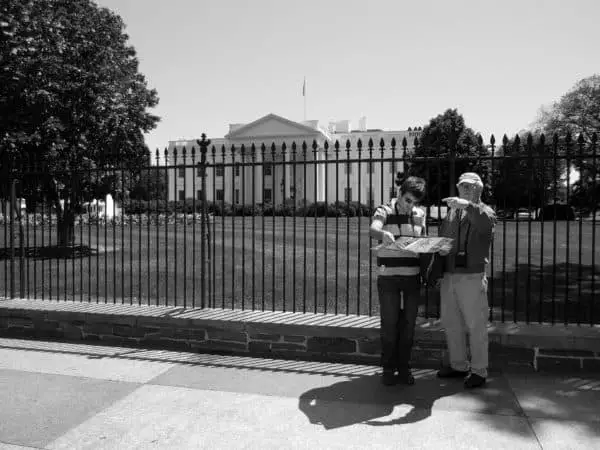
pixel 286 227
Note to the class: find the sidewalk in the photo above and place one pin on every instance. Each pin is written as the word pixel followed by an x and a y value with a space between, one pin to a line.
pixel 80 396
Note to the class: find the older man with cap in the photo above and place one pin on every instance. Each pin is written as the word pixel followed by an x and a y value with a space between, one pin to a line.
pixel 464 302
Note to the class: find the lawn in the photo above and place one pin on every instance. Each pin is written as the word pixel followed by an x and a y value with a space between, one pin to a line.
pixel 321 265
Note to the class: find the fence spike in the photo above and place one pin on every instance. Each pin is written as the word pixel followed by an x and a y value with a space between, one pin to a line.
pixel 337 145
pixel 315 145
pixel 416 142
pixel 594 137
pixel 580 139
pixel 359 144
pixel 479 140
pixel 568 138
pixel 492 140
pixel 555 139
pixel 348 145
pixel 294 147
pixel 326 146
pixel 505 140
pixel 542 140
pixel 193 152
pixel 529 139
pixel 370 143
pixel 382 143
pixel 304 147
pixel 283 148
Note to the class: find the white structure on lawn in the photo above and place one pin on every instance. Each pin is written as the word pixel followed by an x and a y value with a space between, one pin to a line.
pixel 274 177
pixel 103 208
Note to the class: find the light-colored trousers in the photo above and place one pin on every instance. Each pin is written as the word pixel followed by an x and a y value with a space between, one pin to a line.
pixel 464 310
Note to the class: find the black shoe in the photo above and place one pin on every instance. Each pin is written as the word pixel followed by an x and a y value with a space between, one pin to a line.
pixel 388 378
pixel 405 376
pixel 449 372
pixel 474 381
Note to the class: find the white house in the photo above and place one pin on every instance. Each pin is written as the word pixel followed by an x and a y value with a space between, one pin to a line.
pixel 275 177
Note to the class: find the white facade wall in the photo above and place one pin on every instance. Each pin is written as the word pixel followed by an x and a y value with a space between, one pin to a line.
pixel 236 187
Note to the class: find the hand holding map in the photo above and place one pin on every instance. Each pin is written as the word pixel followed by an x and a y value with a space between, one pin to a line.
pixel 419 244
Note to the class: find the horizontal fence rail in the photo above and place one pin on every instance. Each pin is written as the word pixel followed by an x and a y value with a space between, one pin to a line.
pixel 286 226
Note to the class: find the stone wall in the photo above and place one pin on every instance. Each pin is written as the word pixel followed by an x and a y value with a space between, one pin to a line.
pixel 322 337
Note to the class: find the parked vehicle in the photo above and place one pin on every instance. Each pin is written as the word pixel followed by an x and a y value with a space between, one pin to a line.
pixel 524 214
pixel 558 211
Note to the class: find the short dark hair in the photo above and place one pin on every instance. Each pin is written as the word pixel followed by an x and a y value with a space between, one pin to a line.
pixel 412 185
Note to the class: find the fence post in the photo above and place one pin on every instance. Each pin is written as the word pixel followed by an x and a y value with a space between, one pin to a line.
pixel 452 161
pixel 204 227
pixel 11 211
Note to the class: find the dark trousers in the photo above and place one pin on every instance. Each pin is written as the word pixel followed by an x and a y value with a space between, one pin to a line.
pixel 397 325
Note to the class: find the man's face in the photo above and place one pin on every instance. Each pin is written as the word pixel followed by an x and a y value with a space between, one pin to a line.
pixel 469 191
pixel 406 202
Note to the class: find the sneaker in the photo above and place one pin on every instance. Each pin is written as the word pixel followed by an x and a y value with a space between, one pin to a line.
pixel 388 378
pixel 405 376
pixel 449 372
pixel 474 381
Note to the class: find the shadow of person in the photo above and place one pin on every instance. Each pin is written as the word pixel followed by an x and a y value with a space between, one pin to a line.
pixel 365 400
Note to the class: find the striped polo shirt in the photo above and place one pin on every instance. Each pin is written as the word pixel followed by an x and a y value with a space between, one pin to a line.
pixel 398 262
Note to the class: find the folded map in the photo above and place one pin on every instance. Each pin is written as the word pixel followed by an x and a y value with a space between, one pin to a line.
pixel 418 244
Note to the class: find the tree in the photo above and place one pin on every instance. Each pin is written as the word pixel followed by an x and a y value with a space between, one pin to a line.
pixel 151 184
pixel 73 105
pixel 577 113
pixel 524 175
pixel 446 134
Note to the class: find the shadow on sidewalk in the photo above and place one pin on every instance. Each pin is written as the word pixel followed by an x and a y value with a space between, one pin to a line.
pixel 365 399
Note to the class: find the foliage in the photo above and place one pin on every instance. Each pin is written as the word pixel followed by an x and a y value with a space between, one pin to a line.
pixel 447 134
pixel 577 114
pixel 72 102
pixel 150 184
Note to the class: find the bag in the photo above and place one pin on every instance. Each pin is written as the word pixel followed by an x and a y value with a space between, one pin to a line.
pixel 432 268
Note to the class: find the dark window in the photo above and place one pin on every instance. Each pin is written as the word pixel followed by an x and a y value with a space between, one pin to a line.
pixel 267 169
pixel 348 194
pixel 199 194
pixel 181 195
pixel 220 195
pixel 267 198
pixel 237 196
pixel 220 171
pixel 237 171
pixel 200 171
pixel 181 172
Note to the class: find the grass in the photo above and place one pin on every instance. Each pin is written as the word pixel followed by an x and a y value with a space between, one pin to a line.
pixel 539 271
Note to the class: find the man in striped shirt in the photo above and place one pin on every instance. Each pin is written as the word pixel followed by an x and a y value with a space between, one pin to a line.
pixel 399 280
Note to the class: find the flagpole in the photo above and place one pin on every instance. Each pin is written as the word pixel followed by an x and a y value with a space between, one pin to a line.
pixel 304 95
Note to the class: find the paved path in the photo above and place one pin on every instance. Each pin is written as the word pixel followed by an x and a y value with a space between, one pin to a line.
pixel 77 396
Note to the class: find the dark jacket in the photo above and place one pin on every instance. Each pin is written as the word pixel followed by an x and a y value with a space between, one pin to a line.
pixel 473 237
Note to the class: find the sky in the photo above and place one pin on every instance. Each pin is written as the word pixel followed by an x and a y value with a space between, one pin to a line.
pixel 399 63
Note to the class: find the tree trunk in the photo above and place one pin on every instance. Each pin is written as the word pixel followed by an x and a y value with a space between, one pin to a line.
pixel 66 228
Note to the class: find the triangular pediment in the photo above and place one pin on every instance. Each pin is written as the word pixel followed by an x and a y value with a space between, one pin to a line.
pixel 272 125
